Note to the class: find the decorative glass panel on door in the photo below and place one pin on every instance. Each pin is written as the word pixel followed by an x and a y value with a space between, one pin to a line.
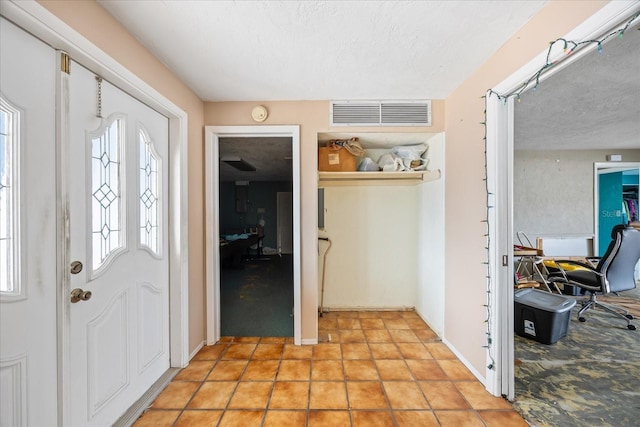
pixel 107 203
pixel 149 194
pixel 9 200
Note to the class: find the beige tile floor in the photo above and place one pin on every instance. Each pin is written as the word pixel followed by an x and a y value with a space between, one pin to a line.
pixel 369 369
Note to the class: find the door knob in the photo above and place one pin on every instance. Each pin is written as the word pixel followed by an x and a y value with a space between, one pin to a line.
pixel 79 295
pixel 76 267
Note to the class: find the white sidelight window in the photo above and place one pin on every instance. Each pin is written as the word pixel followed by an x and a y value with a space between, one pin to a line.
pixel 9 200
pixel 149 215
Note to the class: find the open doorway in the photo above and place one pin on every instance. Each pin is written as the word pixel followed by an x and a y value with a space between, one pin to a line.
pixel 256 271
pixel 253 289
pixel 615 198
pixel 528 189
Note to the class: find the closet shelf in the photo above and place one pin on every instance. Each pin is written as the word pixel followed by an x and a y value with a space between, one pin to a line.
pixel 328 179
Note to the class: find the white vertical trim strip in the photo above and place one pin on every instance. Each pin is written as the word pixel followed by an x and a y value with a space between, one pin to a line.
pixel 178 250
pixel 500 237
pixel 297 297
pixel 63 276
pixel 212 235
pixel 506 298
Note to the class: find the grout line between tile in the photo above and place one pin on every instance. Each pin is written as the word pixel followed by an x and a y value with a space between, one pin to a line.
pixel 345 380
pixel 200 386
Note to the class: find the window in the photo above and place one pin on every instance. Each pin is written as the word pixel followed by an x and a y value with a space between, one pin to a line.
pixel 149 164
pixel 106 199
pixel 9 200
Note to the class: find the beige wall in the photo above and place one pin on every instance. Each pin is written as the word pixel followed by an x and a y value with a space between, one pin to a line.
pixel 94 23
pixel 464 186
pixel 460 118
pixel 313 117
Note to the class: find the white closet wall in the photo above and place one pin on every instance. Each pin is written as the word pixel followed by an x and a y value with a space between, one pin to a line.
pixel 374 235
pixel 430 293
pixel 387 243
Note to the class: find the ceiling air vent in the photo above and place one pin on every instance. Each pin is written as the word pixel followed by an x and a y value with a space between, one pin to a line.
pixel 381 113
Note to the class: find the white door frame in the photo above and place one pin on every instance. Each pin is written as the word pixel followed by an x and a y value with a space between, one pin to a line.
pixel 40 22
pixel 212 226
pixel 500 380
pixel 499 163
pixel 596 194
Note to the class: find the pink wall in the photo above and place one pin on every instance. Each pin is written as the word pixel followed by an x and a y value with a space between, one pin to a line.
pixel 313 117
pixel 465 288
pixel 93 22
pixel 459 116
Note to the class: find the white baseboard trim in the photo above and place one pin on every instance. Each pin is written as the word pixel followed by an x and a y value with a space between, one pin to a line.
pixel 452 348
pixel 437 332
pixel 359 308
pixel 465 362
pixel 309 341
pixel 138 408
pixel 196 350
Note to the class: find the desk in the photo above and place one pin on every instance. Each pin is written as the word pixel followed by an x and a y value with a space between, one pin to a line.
pixel 534 256
pixel 520 251
pixel 231 251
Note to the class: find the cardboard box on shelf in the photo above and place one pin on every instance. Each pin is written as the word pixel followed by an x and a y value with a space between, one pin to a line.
pixel 336 159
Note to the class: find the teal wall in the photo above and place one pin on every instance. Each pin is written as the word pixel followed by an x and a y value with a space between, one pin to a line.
pixel 261 195
pixel 630 178
pixel 610 208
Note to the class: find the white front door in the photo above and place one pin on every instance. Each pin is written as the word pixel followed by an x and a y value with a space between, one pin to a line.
pixel 119 333
pixel 28 362
pixel 285 222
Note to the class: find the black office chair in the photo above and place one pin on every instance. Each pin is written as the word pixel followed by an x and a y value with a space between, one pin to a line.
pixel 613 273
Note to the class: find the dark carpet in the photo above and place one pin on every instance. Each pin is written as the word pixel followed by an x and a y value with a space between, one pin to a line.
pixel 257 298
pixel 591 377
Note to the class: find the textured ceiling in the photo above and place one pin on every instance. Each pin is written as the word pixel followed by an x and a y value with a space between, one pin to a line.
pixel 323 50
pixel 319 50
pixel 270 156
pixel 594 103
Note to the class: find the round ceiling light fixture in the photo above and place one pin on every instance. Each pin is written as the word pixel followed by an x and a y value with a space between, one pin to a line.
pixel 259 113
